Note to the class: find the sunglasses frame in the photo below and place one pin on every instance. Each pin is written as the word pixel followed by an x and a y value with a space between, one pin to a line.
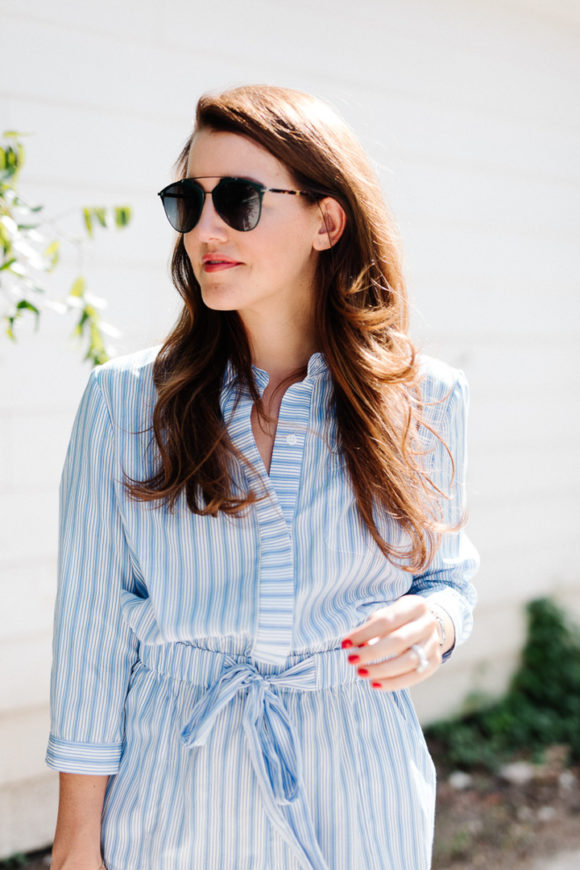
pixel 192 184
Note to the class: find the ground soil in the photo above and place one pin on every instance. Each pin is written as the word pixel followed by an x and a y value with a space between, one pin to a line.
pixel 496 824
pixel 491 823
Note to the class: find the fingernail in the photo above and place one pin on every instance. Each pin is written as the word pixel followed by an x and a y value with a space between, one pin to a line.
pixel 354 659
pixel 376 685
pixel 346 644
pixel 363 672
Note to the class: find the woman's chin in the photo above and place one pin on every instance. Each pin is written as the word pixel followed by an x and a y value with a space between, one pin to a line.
pixel 221 300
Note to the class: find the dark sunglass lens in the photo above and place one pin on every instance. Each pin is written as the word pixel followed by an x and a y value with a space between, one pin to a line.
pixel 238 203
pixel 183 205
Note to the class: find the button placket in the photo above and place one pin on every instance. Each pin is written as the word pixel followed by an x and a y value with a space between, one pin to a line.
pixel 288 453
pixel 275 563
pixel 274 594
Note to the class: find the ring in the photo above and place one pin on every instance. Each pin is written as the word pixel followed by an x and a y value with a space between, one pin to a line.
pixel 423 661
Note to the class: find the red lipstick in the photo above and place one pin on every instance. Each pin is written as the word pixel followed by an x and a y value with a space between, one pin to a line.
pixel 217 262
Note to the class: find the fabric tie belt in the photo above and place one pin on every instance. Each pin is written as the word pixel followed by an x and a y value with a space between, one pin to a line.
pixel 273 746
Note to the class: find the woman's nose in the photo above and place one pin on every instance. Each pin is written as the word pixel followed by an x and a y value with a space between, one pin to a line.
pixel 210 225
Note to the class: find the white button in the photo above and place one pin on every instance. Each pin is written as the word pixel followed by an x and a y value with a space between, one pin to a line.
pixel 291 439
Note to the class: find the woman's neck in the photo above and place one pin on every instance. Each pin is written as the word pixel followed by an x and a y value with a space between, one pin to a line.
pixel 281 348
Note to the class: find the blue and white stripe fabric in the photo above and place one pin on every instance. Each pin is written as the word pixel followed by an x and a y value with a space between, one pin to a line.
pixel 197 660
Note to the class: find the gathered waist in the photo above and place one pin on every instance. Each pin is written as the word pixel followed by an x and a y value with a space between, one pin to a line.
pixel 201 666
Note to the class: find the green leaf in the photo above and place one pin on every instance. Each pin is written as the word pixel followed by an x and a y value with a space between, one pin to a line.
pixel 5 240
pixel 78 288
pixel 101 358
pixel 98 358
pixel 97 343
pixel 12 157
pixel 52 252
pixel 81 324
pixel 21 306
pixel 25 305
pixel 101 216
pixel 12 161
pixel 122 215
pixel 88 221
pixel 14 134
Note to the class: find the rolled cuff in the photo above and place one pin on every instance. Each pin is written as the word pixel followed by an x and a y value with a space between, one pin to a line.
pixel 71 757
pixel 453 603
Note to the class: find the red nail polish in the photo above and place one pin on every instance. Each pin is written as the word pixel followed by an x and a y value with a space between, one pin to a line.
pixel 376 685
pixel 346 644
pixel 354 659
pixel 363 672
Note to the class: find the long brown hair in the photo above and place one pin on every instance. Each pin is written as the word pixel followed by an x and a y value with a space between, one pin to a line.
pixel 361 320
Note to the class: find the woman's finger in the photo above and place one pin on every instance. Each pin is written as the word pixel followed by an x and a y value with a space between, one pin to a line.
pixel 387 619
pixel 395 643
pixel 407 663
pixel 405 681
pixel 391 663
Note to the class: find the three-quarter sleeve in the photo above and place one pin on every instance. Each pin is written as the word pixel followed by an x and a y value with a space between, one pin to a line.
pixel 447 581
pixel 93 648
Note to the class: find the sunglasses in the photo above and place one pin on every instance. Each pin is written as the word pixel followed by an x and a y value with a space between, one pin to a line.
pixel 237 201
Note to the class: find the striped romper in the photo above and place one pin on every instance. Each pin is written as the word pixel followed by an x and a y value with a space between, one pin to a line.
pixel 197 660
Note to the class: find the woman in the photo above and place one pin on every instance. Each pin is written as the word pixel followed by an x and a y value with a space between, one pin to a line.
pixel 261 545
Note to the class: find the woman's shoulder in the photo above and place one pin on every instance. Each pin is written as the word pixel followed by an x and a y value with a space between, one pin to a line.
pixel 138 363
pixel 445 392
pixel 126 382
pixel 136 366
pixel 439 378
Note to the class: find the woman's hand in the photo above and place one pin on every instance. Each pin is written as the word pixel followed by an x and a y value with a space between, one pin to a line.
pixel 389 635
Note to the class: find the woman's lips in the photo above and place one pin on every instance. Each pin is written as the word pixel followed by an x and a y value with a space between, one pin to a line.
pixel 218 267
pixel 217 262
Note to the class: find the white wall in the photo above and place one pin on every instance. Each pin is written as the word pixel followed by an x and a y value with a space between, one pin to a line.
pixel 467 111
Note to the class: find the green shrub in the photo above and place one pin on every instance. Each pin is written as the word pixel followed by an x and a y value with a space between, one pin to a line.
pixel 540 708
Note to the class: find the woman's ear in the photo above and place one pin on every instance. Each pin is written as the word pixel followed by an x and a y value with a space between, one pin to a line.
pixel 332 224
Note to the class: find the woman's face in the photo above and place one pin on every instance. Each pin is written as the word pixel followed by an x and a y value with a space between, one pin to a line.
pixel 275 262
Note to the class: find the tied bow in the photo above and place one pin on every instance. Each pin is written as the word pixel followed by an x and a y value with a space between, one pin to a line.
pixel 269 732
pixel 274 749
